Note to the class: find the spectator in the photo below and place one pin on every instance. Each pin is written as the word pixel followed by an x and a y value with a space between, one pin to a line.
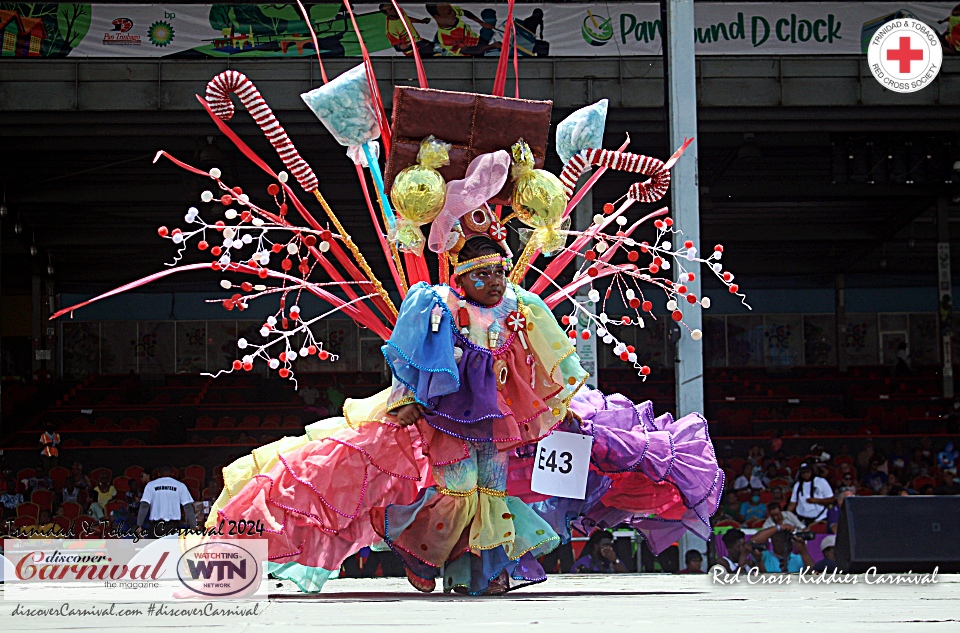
pixel 132 495
pixel 599 556
pixel 833 514
pixel 104 490
pixel 739 554
pixel 96 510
pixel 864 457
pixel 10 499
pixel 783 558
pixel 847 483
pixel 918 465
pixel 927 490
pixel 694 560
pixel 49 448
pixel 81 480
pixel 875 478
pixel 166 500
pixel 828 563
pixel 753 509
pixel 70 492
pixel 926 450
pixel 950 486
pixel 311 394
pixel 843 451
pixel 212 492
pixel 747 479
pixel 811 496
pixel 769 475
pixel 778 516
pixel 902 366
pixel 755 456
pixel 729 509
pixel 245 438
pixel 898 457
pixel 778 497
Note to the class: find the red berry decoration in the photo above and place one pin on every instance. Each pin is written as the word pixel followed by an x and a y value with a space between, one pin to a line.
pixel 565 319
pixel 654 269
pixel 246 216
pixel 734 288
pixel 219 225
pixel 633 256
pixel 326 236
pixel 593 271
pixel 276 248
pixel 677 315
pixel 645 370
pixel 634 303
pixel 688 244
pixel 682 290
pixel 163 231
pixel 643 247
pixel 624 356
pixel 625 320
pixel 202 245
pixel 590 255
pixel 608 208
pixel 572 333
pixel 668 221
pixel 284 372
pixel 237 191
pixel 310 240
pixel 658 261
pixel 228 304
pixel 718 248
pixel 216 251
pixel 658 224
pixel 225 199
pixel 631 349
pixel 273 189
pixel 246 286
pixel 283 209
pixel 247 366
pixel 323 355
pixel 647 306
pixel 585 335
pixel 262 273
pixel 312 349
pixel 237 364
pixel 282 357
pixel 727 276
pixel 691 298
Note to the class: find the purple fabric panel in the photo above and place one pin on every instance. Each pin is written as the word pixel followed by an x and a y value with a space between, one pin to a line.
pixel 470 412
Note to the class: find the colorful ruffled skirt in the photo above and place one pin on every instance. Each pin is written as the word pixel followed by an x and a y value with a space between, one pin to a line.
pixel 362 480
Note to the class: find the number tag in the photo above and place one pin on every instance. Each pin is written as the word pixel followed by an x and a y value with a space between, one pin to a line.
pixel 561 464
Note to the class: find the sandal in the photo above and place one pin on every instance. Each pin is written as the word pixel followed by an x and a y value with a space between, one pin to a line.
pixel 499 586
pixel 421 584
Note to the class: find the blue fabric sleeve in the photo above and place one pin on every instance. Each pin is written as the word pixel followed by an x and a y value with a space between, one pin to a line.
pixel 419 358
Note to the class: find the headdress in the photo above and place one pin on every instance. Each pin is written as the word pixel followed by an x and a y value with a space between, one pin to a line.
pixel 258 239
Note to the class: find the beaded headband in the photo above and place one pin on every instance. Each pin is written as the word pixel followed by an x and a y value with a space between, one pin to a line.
pixel 490 259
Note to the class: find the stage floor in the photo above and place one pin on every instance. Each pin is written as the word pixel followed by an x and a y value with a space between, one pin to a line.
pixel 582 604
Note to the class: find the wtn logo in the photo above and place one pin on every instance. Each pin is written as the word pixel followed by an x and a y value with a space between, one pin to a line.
pixel 223 568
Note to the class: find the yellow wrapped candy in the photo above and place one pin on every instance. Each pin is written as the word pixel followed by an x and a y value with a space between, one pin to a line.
pixel 539 200
pixel 418 194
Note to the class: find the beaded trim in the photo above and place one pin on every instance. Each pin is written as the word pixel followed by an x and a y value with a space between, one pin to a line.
pixel 401 402
pixel 468 493
pixel 481 262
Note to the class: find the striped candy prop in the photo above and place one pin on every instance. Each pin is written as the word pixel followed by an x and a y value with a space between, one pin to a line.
pixel 218 96
pixel 647 191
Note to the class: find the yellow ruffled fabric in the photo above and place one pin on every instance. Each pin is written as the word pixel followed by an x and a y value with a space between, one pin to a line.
pixel 356 413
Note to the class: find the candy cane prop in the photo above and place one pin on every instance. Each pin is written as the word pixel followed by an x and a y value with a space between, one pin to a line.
pixel 647 191
pixel 218 96
pixel 220 105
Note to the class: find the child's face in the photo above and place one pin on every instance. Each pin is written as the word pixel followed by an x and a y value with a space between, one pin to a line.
pixel 484 285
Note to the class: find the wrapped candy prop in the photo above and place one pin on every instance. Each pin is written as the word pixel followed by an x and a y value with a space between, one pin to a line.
pixel 345 108
pixel 418 194
pixel 539 201
pixel 582 130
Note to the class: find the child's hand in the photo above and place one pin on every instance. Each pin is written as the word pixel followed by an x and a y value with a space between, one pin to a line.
pixel 409 414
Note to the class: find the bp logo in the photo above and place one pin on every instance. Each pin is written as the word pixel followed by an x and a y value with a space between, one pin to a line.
pixel 597 30
pixel 160 33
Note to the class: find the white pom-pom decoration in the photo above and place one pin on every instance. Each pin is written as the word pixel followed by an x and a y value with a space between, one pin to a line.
pixel 237 244
pixel 632 357
pixel 177 238
pixel 257 222
pixel 671 305
pixel 230 214
pixel 601 247
pixel 666 246
pixel 603 317
pixel 601 331
pixel 292 249
pixel 324 247
pixel 665 265
pixel 215 173
pixel 264 332
pixel 259 287
pixel 247 359
pixel 242 343
pixel 227 243
pixel 717 268
pixel 244 198
pixel 622 220
pixel 705 302
pixel 226 285
pixel 283 176
pixel 696 335
pixel 717 255
pixel 247 239
pixel 271 321
pixel 593 295
pixel 274 363
pixel 631 294
pixel 206 196
pixel 608 339
pixel 229 233
pixel 598 219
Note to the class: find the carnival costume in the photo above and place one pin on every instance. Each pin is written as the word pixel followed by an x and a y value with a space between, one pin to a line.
pixel 451 495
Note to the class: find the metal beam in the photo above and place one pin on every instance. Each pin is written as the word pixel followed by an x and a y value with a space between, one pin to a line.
pixel 681 88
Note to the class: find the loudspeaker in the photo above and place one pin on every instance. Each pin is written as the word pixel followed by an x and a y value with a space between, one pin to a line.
pixel 899 534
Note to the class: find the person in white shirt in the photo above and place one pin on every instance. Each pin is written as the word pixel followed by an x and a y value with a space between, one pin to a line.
pixel 811 497
pixel 747 480
pixel 777 516
pixel 167 500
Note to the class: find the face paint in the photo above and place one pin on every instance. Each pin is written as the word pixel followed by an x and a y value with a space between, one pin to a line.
pixel 478 284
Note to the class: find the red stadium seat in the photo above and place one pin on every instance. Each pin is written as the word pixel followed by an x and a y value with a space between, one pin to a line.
pixel 72 443
pixel 43 498
pixel 59 475
pixel 26 473
pixel 133 441
pixel 221 439
pixel 121 483
pixel 100 443
pixel 28 509
pixel 95 474
pixel 116 504
pixel 249 422
pixel 205 422
pixel 195 471
pixel 63 523
pixel 133 472
pixel 226 422
pixel 71 510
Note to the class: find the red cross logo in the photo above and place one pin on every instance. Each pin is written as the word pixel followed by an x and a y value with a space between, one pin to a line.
pixel 905 54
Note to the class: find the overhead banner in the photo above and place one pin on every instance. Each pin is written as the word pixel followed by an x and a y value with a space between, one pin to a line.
pixel 450 30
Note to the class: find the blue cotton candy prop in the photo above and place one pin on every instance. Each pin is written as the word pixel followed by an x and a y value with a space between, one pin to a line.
pixel 582 130
pixel 345 108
